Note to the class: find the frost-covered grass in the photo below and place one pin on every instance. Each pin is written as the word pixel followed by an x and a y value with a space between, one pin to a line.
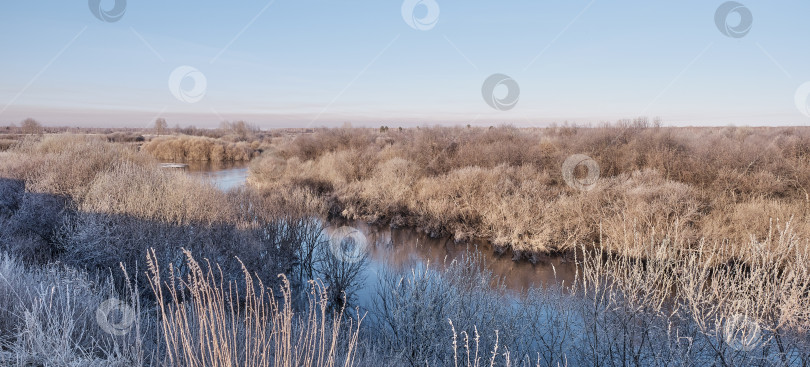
pixel 196 270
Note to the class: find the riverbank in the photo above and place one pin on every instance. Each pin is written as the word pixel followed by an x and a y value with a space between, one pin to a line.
pixel 629 183
pixel 93 228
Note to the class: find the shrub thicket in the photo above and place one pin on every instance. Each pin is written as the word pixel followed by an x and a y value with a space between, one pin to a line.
pixel 198 148
pixel 661 288
pixel 506 185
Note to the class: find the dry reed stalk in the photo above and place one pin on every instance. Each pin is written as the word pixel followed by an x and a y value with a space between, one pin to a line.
pixel 206 321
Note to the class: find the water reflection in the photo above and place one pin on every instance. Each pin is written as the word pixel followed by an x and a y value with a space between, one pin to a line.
pixel 225 175
pixel 408 248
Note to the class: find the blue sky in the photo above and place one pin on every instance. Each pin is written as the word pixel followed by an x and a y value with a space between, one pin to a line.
pixel 322 63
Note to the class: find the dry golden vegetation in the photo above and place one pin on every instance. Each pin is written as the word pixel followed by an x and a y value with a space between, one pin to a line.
pixel 232 141
pixel 198 148
pixel 75 210
pixel 209 327
pixel 100 203
pixel 723 186
pixel 95 207
pixel 64 164
pixel 113 179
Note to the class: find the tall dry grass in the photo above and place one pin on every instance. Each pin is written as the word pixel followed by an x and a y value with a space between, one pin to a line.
pixel 705 313
pixel 721 185
pixel 94 178
pixel 197 148
pixel 64 164
pixel 156 195
pixel 676 307
pixel 208 321
pixel 94 204
pixel 701 255
pixel 102 177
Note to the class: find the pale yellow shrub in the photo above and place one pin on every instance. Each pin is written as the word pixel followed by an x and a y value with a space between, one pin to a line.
pixel 198 148
pixel 155 194
pixel 504 184
pixel 65 164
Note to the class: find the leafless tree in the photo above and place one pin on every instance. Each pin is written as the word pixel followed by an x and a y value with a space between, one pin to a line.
pixel 31 126
pixel 160 126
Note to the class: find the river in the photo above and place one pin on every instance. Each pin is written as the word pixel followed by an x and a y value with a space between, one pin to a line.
pixel 225 175
pixel 407 247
